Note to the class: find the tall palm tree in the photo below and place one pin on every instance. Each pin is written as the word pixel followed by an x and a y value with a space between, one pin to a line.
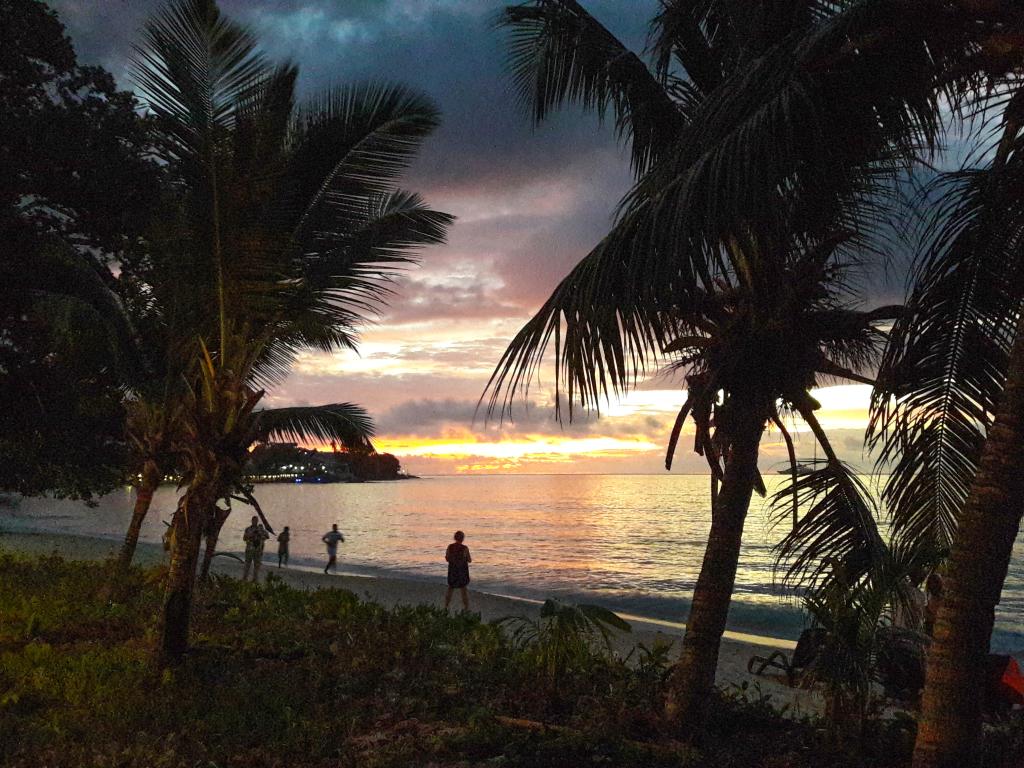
pixel 948 412
pixel 948 408
pixel 758 188
pixel 292 229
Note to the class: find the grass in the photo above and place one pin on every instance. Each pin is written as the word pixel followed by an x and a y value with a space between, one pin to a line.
pixel 285 677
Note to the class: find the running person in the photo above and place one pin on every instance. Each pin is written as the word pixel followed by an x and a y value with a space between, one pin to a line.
pixel 331 539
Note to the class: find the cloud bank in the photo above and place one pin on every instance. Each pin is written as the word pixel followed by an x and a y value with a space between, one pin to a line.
pixel 530 203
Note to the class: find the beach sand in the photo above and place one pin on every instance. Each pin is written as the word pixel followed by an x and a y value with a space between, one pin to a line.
pixel 732 665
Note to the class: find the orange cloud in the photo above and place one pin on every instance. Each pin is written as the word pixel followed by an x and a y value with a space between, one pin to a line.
pixel 630 433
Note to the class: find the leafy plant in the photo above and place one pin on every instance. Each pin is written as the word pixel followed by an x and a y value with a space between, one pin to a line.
pixel 565 636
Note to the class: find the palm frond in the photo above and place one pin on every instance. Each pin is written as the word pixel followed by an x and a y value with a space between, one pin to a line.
pixel 610 319
pixel 688 34
pixel 559 53
pixel 336 292
pixel 372 246
pixel 784 124
pixel 583 619
pixel 193 69
pixel 263 117
pixel 351 142
pixel 345 423
pixel 837 536
pixel 945 365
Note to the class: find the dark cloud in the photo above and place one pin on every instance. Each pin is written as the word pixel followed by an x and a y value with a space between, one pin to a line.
pixel 530 201
pixel 425 416
pixel 450 49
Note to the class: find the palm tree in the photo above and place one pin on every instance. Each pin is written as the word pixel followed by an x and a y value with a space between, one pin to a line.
pixel 292 229
pixel 948 412
pixel 732 256
pixel 948 408
pixel 147 426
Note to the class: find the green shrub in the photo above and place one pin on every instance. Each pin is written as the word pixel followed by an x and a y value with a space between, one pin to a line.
pixel 281 677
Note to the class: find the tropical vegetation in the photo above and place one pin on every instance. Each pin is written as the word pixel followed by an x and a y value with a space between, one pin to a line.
pixel 290 226
pixel 743 122
pixel 744 281
pixel 77 191
pixel 183 255
pixel 279 676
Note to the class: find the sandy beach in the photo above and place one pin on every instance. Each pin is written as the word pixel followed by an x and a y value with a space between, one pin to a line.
pixel 735 652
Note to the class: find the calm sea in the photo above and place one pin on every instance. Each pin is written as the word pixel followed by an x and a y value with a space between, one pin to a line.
pixel 632 543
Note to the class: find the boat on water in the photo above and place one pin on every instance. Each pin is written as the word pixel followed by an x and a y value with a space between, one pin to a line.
pixel 801 469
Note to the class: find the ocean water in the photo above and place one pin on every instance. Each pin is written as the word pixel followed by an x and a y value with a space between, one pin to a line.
pixel 632 543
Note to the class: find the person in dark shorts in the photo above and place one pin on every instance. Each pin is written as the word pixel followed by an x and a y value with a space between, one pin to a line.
pixel 331 539
pixel 458 558
pixel 282 546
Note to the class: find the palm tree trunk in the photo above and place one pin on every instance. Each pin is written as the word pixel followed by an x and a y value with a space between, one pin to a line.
pixel 215 524
pixel 949 730
pixel 693 679
pixel 143 498
pixel 188 525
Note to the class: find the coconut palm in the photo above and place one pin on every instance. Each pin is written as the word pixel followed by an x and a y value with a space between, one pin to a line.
pixel 733 258
pixel 291 229
pixel 949 413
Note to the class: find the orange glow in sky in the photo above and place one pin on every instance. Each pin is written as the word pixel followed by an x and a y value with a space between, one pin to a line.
pixel 632 432
pixel 548 447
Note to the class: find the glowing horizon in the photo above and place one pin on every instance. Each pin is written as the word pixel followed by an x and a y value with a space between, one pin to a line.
pixel 631 434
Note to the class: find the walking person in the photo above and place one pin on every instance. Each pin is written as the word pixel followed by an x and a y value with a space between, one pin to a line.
pixel 458 558
pixel 282 547
pixel 331 539
pixel 254 536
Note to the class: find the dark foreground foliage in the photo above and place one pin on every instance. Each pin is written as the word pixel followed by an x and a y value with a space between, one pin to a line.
pixel 284 677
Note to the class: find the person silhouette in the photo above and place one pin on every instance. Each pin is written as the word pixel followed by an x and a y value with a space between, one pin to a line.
pixel 283 540
pixel 331 539
pixel 254 536
pixel 458 558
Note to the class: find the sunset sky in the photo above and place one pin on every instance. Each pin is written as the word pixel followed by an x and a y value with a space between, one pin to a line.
pixel 530 202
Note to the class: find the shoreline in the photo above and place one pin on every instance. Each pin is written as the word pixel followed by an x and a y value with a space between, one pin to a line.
pixel 736 648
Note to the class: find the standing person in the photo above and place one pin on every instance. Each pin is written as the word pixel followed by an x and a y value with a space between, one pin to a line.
pixel 458 558
pixel 261 540
pixel 331 539
pixel 282 547
pixel 252 548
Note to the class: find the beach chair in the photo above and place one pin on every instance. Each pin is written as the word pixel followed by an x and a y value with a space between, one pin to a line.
pixel 806 651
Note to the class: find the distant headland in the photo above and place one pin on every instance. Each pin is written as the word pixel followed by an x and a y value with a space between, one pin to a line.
pixel 290 463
